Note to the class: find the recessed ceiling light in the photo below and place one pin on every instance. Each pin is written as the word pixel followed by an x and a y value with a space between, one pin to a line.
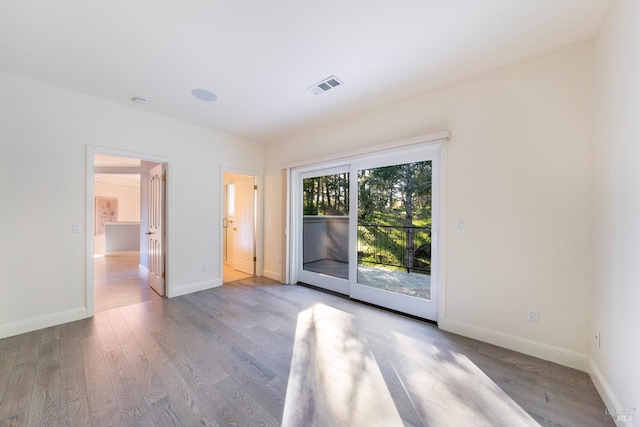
pixel 139 101
pixel 204 95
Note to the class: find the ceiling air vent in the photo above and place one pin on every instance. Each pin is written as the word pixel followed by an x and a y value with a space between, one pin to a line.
pixel 325 85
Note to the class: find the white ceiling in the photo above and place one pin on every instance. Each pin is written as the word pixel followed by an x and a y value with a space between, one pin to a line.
pixel 260 56
pixel 120 180
pixel 115 162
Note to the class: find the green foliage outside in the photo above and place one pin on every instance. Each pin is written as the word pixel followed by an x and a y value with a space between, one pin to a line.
pixel 394 203
pixel 397 196
pixel 326 195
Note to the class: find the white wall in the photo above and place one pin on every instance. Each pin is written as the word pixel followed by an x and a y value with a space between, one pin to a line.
pixel 616 293
pixel 44 133
pixel 128 199
pixel 519 172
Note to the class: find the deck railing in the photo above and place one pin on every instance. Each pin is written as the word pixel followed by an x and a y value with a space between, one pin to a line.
pixel 388 245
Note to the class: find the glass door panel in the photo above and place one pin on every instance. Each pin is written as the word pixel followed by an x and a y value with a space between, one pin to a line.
pixel 394 228
pixel 325 229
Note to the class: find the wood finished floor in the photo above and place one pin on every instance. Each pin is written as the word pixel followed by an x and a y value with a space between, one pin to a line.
pixel 229 274
pixel 118 282
pixel 256 353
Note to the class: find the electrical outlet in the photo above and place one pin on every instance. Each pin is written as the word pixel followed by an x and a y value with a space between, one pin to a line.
pixel 597 337
pixel 533 315
pixel 204 268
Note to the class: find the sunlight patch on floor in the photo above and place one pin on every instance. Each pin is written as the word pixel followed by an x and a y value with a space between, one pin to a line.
pixel 446 380
pixel 334 376
pixel 336 380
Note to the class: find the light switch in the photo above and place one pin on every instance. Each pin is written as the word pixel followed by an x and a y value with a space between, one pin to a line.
pixel 460 224
pixel 76 228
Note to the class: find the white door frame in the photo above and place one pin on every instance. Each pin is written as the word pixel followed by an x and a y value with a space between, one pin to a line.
pixel 292 241
pixel 258 231
pixel 90 218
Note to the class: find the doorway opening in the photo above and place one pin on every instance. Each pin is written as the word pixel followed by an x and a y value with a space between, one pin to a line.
pixel 239 225
pixel 126 229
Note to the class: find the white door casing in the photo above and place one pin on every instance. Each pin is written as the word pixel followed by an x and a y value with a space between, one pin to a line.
pixel 156 229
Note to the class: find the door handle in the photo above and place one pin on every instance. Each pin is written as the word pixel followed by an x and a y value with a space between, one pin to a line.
pixel 149 233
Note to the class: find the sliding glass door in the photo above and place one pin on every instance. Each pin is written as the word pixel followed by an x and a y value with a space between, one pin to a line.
pixel 369 229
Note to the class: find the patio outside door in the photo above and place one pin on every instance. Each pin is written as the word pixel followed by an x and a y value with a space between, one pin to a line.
pixel 369 229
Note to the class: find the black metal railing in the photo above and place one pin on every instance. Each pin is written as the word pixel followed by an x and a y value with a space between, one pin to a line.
pixel 403 247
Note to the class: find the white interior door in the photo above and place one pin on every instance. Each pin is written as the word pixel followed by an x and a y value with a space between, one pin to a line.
pixel 244 225
pixel 156 229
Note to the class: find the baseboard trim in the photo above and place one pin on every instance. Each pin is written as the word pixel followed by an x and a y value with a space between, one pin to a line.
pixel 194 287
pixel 270 274
pixel 41 322
pixel 559 355
pixel 143 270
pixel 609 398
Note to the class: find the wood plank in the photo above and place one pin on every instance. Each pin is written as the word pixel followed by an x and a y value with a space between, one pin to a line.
pixel 167 376
pixel 44 408
pixel 131 404
pixel 69 330
pixel 246 404
pixel 30 346
pixel 10 344
pixel 147 380
pixel 108 338
pixel 184 375
pixel 74 406
pixel 103 406
pixel 15 402
pixel 6 365
pixel 184 383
